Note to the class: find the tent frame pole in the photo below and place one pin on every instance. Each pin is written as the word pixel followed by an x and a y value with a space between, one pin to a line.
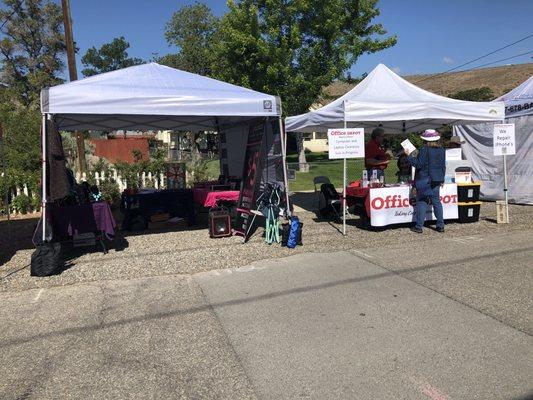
pixel 505 188
pixel 344 178
pixel 284 158
pixel 44 176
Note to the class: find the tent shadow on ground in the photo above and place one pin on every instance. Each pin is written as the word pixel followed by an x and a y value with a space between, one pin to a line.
pixel 15 235
pixel 307 201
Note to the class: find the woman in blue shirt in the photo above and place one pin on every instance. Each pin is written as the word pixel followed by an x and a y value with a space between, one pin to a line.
pixel 430 165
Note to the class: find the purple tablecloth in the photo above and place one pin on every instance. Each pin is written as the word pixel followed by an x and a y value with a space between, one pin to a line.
pixel 85 218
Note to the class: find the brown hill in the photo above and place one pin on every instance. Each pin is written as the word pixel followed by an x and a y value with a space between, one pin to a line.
pixel 499 79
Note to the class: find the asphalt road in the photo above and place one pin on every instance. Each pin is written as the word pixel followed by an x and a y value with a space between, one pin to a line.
pixel 451 318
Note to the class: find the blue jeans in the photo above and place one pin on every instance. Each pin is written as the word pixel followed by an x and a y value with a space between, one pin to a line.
pixel 422 204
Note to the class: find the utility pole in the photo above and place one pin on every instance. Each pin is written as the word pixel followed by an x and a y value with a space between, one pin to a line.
pixel 71 60
pixel 5 180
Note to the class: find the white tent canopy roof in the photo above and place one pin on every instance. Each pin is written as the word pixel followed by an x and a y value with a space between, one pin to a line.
pixel 519 101
pixel 383 98
pixel 153 96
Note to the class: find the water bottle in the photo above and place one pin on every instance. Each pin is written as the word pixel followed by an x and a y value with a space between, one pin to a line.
pixel 365 178
pixel 374 175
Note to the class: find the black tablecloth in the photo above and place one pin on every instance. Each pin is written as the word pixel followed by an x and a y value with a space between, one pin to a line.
pixel 176 202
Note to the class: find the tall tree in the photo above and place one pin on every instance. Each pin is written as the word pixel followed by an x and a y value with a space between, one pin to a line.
pixel 31 48
pixel 294 48
pixel 191 29
pixel 109 57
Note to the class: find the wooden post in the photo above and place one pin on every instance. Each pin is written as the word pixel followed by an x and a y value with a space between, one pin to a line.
pixel 5 180
pixel 71 60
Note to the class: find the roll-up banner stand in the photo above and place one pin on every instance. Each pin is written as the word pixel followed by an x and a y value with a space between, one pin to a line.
pixel 252 174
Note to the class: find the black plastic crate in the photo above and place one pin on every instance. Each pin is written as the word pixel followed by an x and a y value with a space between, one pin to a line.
pixel 469 212
pixel 468 192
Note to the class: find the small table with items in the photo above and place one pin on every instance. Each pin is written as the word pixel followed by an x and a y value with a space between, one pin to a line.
pixel 147 203
pixel 211 194
pixel 393 204
pixel 77 220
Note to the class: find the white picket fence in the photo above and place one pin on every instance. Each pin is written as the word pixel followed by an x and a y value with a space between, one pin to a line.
pixel 17 191
pixel 146 179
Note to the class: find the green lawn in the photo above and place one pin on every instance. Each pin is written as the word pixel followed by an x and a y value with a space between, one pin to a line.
pixel 321 165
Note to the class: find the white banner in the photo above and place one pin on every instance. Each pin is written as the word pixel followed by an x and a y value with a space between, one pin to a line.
pixel 346 143
pixel 504 139
pixel 391 205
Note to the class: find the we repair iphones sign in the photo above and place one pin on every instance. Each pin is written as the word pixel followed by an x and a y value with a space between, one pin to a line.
pixel 504 139
pixel 346 143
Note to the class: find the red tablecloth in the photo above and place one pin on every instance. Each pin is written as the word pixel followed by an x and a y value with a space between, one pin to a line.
pixel 209 198
pixel 354 193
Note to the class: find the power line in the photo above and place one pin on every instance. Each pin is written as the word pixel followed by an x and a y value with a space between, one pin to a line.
pixel 474 60
pixel 503 59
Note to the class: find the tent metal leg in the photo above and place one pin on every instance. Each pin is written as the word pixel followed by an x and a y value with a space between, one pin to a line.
pixel 284 157
pixel 43 157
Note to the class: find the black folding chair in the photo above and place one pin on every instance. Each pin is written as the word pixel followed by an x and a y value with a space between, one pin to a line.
pixel 333 201
pixel 319 180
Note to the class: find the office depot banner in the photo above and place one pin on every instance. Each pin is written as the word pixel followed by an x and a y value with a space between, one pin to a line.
pixel 392 205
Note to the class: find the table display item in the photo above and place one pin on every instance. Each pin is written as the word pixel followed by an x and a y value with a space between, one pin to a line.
pixel 463 175
pixel 468 192
pixel 219 222
pixel 176 175
pixel 364 182
pixel 469 212
pixel 160 217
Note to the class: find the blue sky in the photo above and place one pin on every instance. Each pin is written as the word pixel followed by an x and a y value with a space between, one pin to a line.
pixel 432 35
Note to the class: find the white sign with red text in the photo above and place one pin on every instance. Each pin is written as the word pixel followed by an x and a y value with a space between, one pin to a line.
pixel 346 143
pixel 392 205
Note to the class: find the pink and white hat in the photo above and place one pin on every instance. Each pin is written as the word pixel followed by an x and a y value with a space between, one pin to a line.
pixel 430 135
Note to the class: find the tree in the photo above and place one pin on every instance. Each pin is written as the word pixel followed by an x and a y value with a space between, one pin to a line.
pixel 191 29
pixel 294 48
pixel 484 93
pixel 109 57
pixel 31 48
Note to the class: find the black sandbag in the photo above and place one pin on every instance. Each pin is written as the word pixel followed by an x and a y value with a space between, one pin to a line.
pixel 47 259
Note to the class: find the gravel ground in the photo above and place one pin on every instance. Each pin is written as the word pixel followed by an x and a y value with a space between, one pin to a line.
pixel 182 251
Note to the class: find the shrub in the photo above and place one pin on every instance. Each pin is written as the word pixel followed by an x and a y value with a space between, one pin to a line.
pixel 110 192
pixel 198 171
pixel 21 204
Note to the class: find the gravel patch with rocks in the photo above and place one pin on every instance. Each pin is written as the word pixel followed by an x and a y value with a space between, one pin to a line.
pixel 170 252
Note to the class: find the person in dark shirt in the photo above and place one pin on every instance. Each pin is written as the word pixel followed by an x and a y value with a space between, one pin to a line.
pixel 430 165
pixel 376 159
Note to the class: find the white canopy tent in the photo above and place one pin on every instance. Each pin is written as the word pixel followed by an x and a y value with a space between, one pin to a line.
pixel 383 98
pixel 153 96
pixel 487 167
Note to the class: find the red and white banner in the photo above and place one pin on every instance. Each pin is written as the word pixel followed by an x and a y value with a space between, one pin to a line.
pixel 391 205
